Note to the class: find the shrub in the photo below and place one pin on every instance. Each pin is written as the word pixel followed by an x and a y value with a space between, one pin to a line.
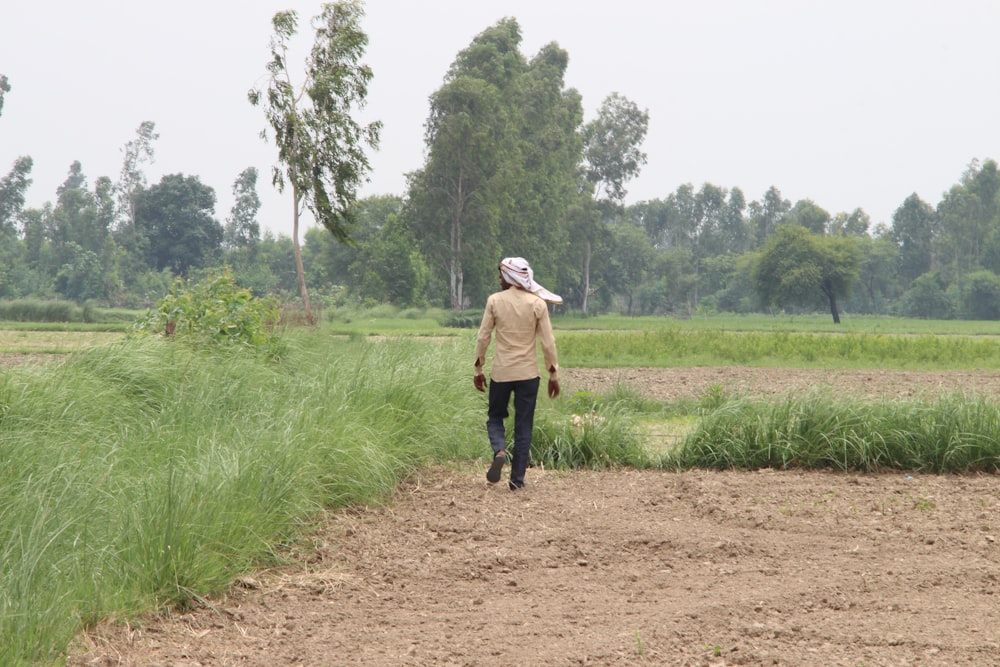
pixel 215 312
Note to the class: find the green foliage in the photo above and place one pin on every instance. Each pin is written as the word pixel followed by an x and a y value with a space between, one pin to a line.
pixel 185 468
pixel 982 296
pixel 32 310
pixel 594 431
pixel 320 145
pixel 927 298
pixel 501 174
pixel 950 434
pixel 215 312
pixel 596 439
pixel 798 267
pixel 175 218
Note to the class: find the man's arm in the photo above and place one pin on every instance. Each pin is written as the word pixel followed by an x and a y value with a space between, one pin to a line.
pixel 483 339
pixel 543 329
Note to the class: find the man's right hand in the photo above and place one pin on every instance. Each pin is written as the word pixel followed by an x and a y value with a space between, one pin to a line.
pixel 479 380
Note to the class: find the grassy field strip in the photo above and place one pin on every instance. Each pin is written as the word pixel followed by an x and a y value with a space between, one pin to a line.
pixel 144 473
pixel 22 341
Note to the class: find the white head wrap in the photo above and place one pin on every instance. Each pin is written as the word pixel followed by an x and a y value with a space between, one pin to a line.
pixel 517 271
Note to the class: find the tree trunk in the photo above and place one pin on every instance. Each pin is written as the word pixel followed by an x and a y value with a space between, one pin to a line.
pixel 586 275
pixel 300 272
pixel 833 303
pixel 456 279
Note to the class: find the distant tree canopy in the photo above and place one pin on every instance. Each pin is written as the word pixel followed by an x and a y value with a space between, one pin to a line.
pixel 176 219
pixel 511 167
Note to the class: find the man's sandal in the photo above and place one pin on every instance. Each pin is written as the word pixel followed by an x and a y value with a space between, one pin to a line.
pixel 493 474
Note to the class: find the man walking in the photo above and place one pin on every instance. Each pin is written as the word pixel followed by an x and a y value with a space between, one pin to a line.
pixel 520 315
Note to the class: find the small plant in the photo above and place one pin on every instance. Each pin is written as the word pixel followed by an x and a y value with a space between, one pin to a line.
pixel 713 398
pixel 584 402
pixel 638 642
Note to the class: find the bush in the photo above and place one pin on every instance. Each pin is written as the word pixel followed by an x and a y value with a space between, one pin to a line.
pixel 215 312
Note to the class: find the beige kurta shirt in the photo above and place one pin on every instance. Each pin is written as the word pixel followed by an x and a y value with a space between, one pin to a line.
pixel 518 317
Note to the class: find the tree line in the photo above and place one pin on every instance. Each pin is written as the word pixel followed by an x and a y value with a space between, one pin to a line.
pixel 511 169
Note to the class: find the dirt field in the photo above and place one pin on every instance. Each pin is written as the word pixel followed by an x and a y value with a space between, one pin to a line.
pixel 625 567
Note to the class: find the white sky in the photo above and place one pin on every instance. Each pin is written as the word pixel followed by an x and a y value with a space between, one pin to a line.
pixel 849 103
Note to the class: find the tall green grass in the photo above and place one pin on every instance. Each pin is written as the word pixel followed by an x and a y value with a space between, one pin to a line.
pixel 952 433
pixel 145 474
pixel 592 432
pixel 676 347
pixel 58 311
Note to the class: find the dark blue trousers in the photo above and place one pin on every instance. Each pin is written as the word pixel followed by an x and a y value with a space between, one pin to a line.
pixel 525 396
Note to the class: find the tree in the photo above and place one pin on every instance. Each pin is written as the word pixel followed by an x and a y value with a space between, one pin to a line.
pixel 927 298
pixel 4 89
pixel 855 223
pixel 982 296
pixel 175 215
pixel 502 170
pixel 472 147
pixel 733 227
pixel 878 274
pixel 799 267
pixel 915 232
pixel 766 214
pixel 389 269
pixel 809 215
pixel 132 179
pixel 13 187
pixel 321 148
pixel 81 276
pixel 611 146
pixel 631 261
pixel 449 198
pixel 542 186
pixel 612 157
pixel 242 229
pixel 969 215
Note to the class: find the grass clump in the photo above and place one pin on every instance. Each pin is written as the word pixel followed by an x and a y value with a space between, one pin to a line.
pixel 144 474
pixel 953 433
pixel 594 432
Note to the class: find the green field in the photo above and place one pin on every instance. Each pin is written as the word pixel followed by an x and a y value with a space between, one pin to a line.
pixel 140 473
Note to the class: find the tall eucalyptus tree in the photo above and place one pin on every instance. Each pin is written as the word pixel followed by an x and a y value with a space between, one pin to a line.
pixel 502 158
pixel 321 147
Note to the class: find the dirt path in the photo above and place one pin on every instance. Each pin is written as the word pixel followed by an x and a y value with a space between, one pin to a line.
pixel 623 568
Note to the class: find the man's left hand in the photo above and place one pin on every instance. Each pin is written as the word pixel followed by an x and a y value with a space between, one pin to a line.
pixel 553 388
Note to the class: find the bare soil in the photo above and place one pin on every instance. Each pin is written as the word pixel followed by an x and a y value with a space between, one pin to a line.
pixel 624 567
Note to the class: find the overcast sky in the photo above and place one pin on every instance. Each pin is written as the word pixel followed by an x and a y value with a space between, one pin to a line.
pixel 849 103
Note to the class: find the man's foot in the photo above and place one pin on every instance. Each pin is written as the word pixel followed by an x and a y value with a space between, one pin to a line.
pixel 493 474
pixel 514 486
